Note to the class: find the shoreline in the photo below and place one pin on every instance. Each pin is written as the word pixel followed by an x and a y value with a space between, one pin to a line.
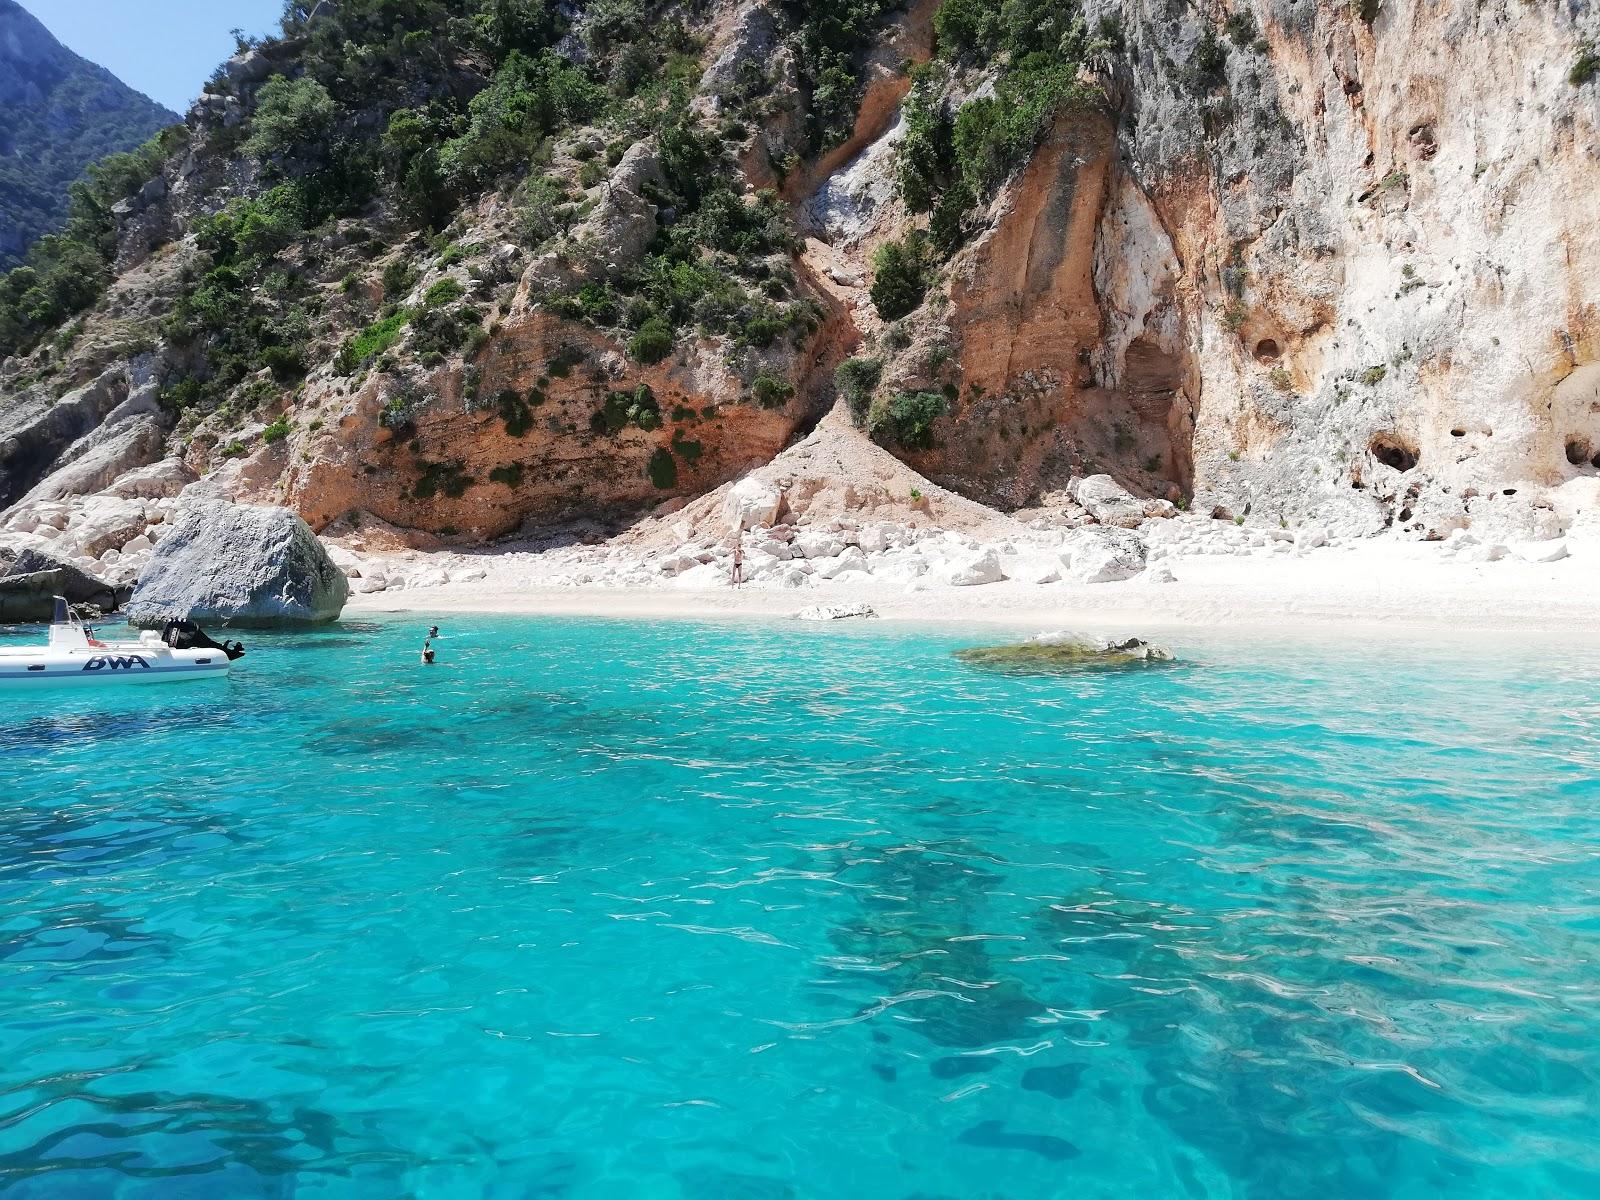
pixel 1380 589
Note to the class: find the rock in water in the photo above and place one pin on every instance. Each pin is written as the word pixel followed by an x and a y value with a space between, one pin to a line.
pixel 241 565
pixel 1053 652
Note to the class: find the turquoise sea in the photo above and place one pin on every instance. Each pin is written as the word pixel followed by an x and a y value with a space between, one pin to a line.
pixel 631 909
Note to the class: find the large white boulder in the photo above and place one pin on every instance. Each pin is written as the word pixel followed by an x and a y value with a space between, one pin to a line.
pixel 752 503
pixel 238 564
pixel 1098 554
pixel 817 543
pixel 1034 568
pixel 1540 552
pixel 1108 502
pixel 973 570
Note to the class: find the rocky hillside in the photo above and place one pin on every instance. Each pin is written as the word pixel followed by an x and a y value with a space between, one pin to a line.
pixel 58 114
pixel 458 269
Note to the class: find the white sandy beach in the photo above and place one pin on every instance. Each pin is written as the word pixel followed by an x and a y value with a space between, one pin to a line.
pixel 1378 586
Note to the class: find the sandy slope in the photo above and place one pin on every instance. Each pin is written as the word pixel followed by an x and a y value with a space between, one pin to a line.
pixel 1404 589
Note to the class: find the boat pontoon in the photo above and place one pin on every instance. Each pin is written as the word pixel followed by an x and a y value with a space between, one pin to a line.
pixel 74 655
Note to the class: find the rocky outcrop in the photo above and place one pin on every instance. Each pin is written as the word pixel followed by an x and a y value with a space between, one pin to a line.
pixel 30 581
pixel 1268 259
pixel 239 565
pixel 1374 267
pixel 1053 653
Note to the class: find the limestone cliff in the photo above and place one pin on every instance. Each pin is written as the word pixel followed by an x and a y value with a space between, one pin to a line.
pixel 1293 262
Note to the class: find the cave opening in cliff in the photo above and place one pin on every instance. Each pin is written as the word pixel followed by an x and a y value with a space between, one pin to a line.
pixel 1152 385
pixel 1392 451
pixel 1267 350
pixel 1580 452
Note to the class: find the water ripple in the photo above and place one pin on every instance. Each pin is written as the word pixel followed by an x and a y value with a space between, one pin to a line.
pixel 607 907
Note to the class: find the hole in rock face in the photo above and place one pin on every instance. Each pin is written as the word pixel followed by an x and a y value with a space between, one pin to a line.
pixel 1458 433
pixel 1579 451
pixel 1391 451
pixel 1509 492
pixel 1595 462
pixel 1267 350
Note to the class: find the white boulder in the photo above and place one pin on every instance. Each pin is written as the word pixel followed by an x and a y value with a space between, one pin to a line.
pixel 752 503
pixel 1104 555
pixel 974 570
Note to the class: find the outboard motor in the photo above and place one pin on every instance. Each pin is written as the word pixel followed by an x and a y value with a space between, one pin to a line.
pixel 186 635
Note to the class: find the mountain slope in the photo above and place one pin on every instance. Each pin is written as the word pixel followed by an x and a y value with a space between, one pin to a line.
pixel 471 267
pixel 58 114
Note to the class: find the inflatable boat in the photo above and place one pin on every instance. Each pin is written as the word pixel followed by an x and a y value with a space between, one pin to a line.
pixel 75 656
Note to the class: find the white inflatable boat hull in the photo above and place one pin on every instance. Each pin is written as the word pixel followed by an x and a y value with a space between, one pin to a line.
pixel 75 657
pixel 115 663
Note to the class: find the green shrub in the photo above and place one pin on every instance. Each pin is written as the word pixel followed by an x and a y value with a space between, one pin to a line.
pixel 233 449
pixel 525 101
pixel 857 379
pixel 510 475
pixel 966 26
pixel 449 478
pixel 1585 67
pixel 907 420
pixel 443 330
pixel 286 362
pixel 833 37
pixel 514 412
pixel 621 409
pixel 276 431
pixel 445 291
pixel 652 342
pixel 684 448
pixel 1374 375
pixel 662 469
pixel 901 275
pixel 544 211
pixel 770 389
pixel 372 341
pixel 560 366
pixel 398 276
pixel 1208 63
pixel 293 119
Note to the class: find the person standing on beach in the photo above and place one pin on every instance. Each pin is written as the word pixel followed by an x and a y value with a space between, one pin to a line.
pixel 738 560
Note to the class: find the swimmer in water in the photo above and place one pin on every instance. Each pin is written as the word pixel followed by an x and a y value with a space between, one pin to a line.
pixel 427 653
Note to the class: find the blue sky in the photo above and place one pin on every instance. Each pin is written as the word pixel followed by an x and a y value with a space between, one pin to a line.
pixel 164 48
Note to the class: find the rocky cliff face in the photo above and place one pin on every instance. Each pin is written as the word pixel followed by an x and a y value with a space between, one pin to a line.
pixel 58 114
pixel 1384 258
pixel 1293 262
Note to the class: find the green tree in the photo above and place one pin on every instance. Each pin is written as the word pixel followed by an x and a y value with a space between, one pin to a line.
pixel 294 119
pixel 901 274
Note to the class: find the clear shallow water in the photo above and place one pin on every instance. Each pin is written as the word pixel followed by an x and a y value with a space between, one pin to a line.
pixel 622 909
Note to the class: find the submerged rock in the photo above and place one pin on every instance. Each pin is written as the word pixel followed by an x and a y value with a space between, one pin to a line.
pixel 1050 652
pixel 241 565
